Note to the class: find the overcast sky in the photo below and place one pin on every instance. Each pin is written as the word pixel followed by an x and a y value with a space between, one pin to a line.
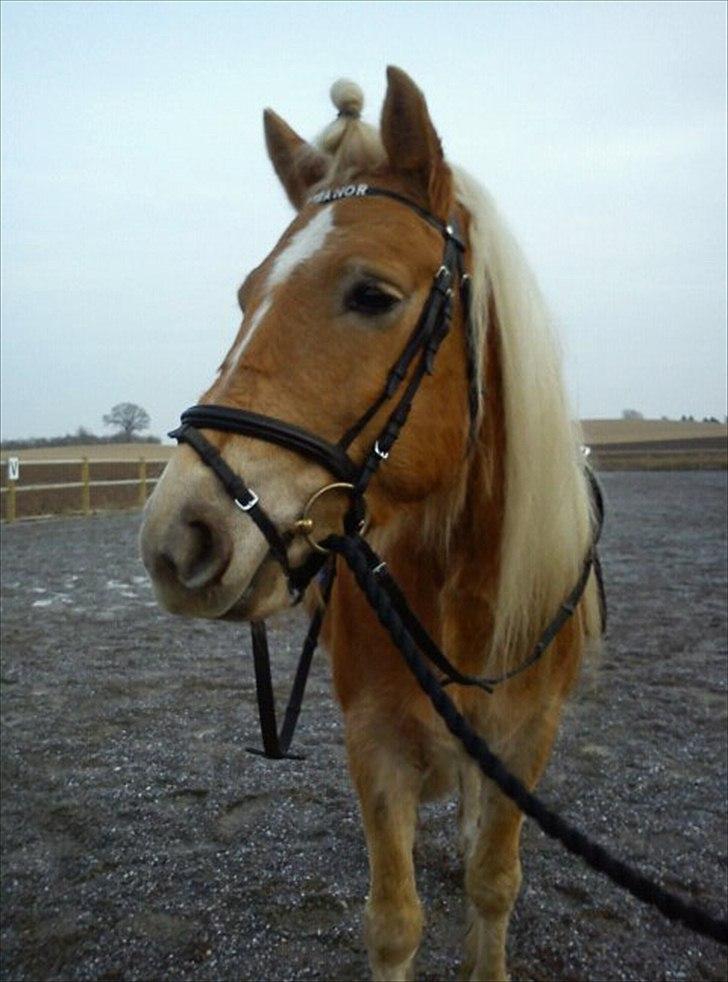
pixel 137 193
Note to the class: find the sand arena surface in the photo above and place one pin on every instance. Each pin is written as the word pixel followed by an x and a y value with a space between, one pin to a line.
pixel 141 841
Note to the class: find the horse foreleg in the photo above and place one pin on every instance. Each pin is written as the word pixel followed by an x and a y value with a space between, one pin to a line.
pixel 469 783
pixel 493 869
pixel 492 882
pixel 388 791
pixel 469 807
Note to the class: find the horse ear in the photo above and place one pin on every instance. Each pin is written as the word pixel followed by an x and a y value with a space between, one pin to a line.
pixel 412 144
pixel 298 165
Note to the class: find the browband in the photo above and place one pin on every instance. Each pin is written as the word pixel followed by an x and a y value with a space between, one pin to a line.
pixel 367 191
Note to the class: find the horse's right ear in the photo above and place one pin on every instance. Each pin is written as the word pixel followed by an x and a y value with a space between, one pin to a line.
pixel 298 165
pixel 412 144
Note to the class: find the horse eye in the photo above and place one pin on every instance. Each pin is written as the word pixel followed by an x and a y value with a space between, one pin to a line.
pixel 370 300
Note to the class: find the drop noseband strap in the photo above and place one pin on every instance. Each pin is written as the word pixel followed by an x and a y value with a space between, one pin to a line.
pixel 245 499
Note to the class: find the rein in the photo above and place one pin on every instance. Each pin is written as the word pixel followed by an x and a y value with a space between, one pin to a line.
pixel 381 590
pixel 595 855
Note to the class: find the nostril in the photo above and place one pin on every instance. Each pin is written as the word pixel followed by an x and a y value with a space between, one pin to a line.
pixel 197 554
pixel 203 554
pixel 209 556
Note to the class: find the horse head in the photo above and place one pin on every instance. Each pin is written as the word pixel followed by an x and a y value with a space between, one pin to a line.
pixel 326 316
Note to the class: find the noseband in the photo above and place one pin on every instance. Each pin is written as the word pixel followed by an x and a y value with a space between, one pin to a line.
pixel 421 348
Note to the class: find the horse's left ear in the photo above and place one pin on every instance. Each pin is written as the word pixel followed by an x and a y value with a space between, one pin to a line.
pixel 298 165
pixel 412 144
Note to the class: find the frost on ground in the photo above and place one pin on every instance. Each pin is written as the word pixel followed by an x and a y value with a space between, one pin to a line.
pixel 140 840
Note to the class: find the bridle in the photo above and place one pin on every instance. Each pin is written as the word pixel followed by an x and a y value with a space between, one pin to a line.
pixel 421 348
pixel 404 379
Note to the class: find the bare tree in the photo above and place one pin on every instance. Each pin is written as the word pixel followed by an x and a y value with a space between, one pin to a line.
pixel 128 417
pixel 632 414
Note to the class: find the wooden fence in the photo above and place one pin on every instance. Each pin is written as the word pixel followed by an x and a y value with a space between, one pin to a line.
pixel 32 488
pixel 83 485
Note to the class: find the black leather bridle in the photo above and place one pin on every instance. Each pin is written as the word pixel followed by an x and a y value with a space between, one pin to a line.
pixel 421 348
pixel 415 360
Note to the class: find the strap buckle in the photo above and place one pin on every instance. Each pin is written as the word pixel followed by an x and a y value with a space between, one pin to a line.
pixel 443 279
pixel 252 501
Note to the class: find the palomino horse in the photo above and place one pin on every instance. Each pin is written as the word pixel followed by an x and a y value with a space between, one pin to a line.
pixel 481 509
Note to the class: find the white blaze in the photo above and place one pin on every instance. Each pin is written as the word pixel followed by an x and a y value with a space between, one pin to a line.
pixel 243 342
pixel 305 243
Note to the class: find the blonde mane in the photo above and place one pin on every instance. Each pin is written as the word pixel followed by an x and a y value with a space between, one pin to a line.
pixel 547 511
pixel 546 522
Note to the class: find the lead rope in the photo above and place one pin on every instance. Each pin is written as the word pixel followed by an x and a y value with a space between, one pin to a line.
pixel 600 859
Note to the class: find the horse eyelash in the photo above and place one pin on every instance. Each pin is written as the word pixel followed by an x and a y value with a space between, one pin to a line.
pixel 389 300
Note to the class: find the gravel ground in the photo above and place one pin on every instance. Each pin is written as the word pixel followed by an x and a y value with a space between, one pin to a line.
pixel 141 841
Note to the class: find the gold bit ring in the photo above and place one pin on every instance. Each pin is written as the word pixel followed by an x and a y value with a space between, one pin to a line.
pixel 305 525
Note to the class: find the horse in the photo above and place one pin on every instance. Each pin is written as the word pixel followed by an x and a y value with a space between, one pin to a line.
pixel 480 507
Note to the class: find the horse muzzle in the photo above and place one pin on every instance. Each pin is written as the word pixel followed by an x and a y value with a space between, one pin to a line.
pixel 203 558
pixel 207 559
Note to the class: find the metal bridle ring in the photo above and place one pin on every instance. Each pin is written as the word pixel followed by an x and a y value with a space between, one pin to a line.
pixel 305 524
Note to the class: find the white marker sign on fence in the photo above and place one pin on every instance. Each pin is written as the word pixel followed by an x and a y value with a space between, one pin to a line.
pixel 13 468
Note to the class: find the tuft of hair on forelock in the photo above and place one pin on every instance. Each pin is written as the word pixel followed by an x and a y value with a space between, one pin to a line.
pixel 547 521
pixel 350 144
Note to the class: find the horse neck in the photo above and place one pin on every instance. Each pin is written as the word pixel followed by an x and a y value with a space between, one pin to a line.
pixel 474 545
pixel 456 533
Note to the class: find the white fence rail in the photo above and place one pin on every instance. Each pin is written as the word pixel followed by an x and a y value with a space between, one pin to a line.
pixel 15 466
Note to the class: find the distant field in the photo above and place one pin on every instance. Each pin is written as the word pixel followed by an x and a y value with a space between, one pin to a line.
pixel 602 431
pixel 97 451
pixel 656 444
pixel 597 432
